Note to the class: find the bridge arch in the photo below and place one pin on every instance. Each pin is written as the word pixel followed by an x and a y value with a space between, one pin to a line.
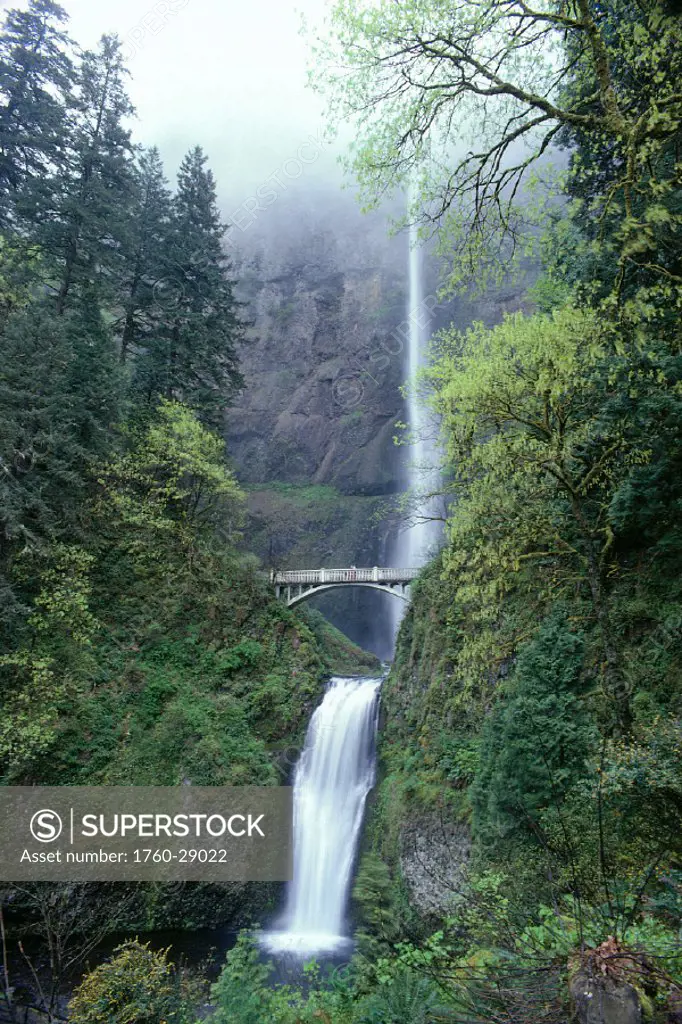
pixel 303 595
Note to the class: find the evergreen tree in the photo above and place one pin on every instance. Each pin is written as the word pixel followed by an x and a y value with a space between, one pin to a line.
pixel 94 378
pixel 37 447
pixel 92 218
pixel 150 220
pixel 59 398
pixel 36 76
pixel 193 357
pixel 536 743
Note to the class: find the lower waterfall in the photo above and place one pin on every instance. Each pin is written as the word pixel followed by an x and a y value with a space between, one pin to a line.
pixel 333 777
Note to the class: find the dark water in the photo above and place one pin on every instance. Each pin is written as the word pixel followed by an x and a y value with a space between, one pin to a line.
pixel 333 783
pixel 203 951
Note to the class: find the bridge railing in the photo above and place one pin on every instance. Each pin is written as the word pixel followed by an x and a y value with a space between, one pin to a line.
pixel 320 576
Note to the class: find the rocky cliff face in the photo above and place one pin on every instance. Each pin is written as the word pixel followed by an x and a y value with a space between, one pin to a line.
pixel 325 289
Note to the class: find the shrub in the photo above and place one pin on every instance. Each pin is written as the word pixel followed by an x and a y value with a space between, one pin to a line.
pixel 136 986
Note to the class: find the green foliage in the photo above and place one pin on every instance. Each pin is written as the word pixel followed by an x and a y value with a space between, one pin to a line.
pixel 119 515
pixel 344 658
pixel 197 673
pixel 173 479
pixel 440 98
pixel 136 986
pixel 551 424
pixel 152 651
pixel 91 200
pixel 146 241
pixel 534 698
pixel 405 997
pixel 190 353
pixel 374 897
pixel 59 394
pixel 492 966
pixel 247 993
pixel 243 993
pixel 535 745
pixel 56 653
pixel 29 713
pixel 313 493
pixel 514 400
pixel 36 74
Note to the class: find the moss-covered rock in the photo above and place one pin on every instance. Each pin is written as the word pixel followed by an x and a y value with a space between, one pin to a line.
pixel 343 657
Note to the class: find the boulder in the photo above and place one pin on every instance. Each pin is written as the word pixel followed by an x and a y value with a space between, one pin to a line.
pixel 603 1000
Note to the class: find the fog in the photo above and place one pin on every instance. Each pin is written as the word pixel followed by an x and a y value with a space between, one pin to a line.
pixel 230 76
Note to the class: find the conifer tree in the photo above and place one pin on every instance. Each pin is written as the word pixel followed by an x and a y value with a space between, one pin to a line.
pixel 194 359
pixel 59 398
pixel 92 220
pixel 143 283
pixel 535 743
pixel 36 76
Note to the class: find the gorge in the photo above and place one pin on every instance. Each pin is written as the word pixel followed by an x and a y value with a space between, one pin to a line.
pixel 312 434
pixel 336 769
pixel 383 505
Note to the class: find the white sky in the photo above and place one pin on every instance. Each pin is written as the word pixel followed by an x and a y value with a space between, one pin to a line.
pixel 226 74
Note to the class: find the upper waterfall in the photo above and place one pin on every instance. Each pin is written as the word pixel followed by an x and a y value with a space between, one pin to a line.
pixel 417 540
pixel 422 535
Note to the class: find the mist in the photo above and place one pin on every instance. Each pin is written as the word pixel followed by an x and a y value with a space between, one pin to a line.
pixel 230 77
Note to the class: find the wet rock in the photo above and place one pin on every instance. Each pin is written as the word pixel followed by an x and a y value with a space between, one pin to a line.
pixel 433 857
pixel 603 1000
pixel 674 1007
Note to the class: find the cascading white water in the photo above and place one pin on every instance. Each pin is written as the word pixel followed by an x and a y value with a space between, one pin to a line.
pixel 336 769
pixel 418 541
pixel 421 537
pixel 333 777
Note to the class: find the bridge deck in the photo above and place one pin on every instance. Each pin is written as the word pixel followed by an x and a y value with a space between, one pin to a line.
pixel 295 577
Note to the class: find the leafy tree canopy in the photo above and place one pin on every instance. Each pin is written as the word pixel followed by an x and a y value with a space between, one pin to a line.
pixel 459 102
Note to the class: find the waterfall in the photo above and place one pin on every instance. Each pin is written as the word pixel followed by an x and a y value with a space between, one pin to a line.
pixel 422 536
pixel 416 542
pixel 332 779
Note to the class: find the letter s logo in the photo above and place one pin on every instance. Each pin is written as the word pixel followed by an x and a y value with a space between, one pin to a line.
pixel 46 826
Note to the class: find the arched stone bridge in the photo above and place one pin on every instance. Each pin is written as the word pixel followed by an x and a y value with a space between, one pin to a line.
pixel 299 584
